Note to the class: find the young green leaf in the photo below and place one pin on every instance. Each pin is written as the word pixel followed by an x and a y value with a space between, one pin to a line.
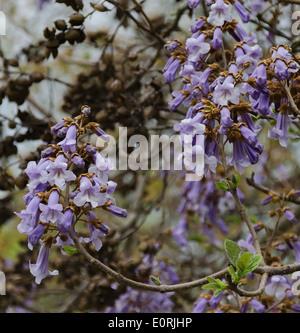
pixel 70 250
pixel 233 251
pixel 215 284
pixel 218 292
pixel 222 186
pixel 235 277
pixel 254 262
pixel 155 280
pixel 211 286
pixel 242 264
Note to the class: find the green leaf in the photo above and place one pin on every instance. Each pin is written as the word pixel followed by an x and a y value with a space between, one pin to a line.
pixel 155 280
pixel 231 271
pixel 233 251
pixel 254 262
pixel 211 286
pixel 235 181
pixel 222 186
pixel 242 264
pixel 236 278
pixel 210 279
pixel 217 282
pixel 221 284
pixel 70 250
pixel 218 292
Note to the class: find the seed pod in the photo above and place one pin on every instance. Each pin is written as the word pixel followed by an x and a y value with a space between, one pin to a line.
pixel 72 35
pixel 37 77
pixel 61 37
pixel 79 4
pixel 12 124
pixel 49 33
pixel 52 43
pixel 13 62
pixel 22 81
pixel 60 25
pixel 99 7
pixel 76 19
pixel 63 237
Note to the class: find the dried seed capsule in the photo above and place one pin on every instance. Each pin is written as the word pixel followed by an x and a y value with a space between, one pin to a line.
pixel 72 35
pixel 76 19
pixel 60 25
pixel 37 77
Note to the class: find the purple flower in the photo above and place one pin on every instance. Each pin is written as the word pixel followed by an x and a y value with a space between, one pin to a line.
pixel 226 120
pixel 95 232
pixel 194 3
pixel 40 270
pixel 37 173
pixel 266 200
pixel 296 247
pixel 262 101
pixel 260 74
pixel 257 6
pixel 67 221
pixel 29 216
pixel 260 308
pixel 78 161
pixel 89 193
pixel 217 39
pixel 53 211
pixel 102 167
pixel 115 210
pixel 91 150
pixel 281 69
pixel 171 69
pixel 247 245
pixel 58 173
pixel 35 236
pixel 280 131
pixel 57 127
pixel 197 25
pixel 103 135
pixel 245 16
pixel 200 305
pixel 47 152
pixel 215 300
pixel 86 110
pixel 241 35
pixel 171 46
pixel 246 150
pixel 289 215
pixel 69 142
pixel 226 92
pixel 180 232
pixel 197 47
pixel 277 286
pixel 179 97
pixel 219 13
pixel 191 126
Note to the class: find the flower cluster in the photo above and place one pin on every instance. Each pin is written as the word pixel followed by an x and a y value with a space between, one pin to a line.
pixel 65 187
pixel 230 94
